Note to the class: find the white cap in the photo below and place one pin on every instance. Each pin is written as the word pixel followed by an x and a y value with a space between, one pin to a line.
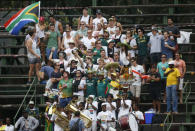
pixel 104 104
pixel 76 94
pixel 92 96
pixel 31 102
pixel 171 63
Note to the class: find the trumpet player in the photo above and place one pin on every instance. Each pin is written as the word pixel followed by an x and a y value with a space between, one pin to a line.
pixel 92 106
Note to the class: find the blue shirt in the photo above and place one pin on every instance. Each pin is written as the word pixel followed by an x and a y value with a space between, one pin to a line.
pixel 47 70
pixel 74 120
pixel 168 52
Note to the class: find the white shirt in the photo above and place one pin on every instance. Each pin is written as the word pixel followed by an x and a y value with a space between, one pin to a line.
pixel 87 42
pixel 56 126
pixel 122 110
pixel 132 44
pixel 82 85
pixel 123 58
pixel 85 19
pixel 66 41
pixel 72 33
pixel 137 78
pixel 104 117
pixel 68 52
pixel 93 113
pixel 98 20
pixel 39 32
pixel 109 108
pixel 93 67
pixel 111 29
pixel 155 42
pixel 60 62
pixel 139 115
pixel 9 128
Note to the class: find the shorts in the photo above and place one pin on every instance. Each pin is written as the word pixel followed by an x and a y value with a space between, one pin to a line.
pixel 34 60
pixel 155 58
pixel 155 93
pixel 181 84
pixel 142 60
pixel 163 84
pixel 135 90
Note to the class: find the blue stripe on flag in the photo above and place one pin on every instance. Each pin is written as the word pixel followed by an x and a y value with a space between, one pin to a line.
pixel 20 25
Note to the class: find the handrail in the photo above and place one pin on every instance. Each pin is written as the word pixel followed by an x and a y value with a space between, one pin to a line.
pixel 24 99
pixel 170 124
pixel 189 91
pixel 34 93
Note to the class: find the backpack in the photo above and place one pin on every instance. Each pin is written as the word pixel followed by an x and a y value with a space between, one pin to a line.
pixel 75 126
pixel 157 119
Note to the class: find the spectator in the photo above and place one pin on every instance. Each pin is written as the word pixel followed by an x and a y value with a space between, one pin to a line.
pixel 167 46
pixel 89 41
pixel 105 38
pixel 99 19
pixel 99 32
pixel 89 64
pixel 26 122
pixel 54 41
pixel 136 85
pixel 101 85
pixel 174 32
pixel 92 106
pixel 33 55
pixel 161 68
pixel 76 124
pixel 104 57
pixel 62 59
pixel 111 26
pixel 181 66
pixel 70 49
pixel 57 25
pixel 91 84
pixel 97 50
pixel 45 72
pixel 132 43
pixel 78 84
pixel 154 80
pixel 116 23
pixel 118 36
pixel 142 47
pixel 66 40
pixel 32 110
pixel 9 127
pixel 155 46
pixel 65 87
pixel 110 49
pixel 104 118
pixel 173 77
pixel 40 28
pixel 111 106
pixel 86 18
pixel 124 54
pixel 82 31
pixel 138 114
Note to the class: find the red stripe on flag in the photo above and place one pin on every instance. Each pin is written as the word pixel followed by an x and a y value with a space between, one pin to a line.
pixel 142 76
pixel 13 17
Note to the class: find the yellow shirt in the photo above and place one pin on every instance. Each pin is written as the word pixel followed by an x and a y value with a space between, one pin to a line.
pixel 2 128
pixel 172 78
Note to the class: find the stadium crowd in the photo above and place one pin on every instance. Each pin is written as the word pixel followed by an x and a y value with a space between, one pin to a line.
pixel 100 68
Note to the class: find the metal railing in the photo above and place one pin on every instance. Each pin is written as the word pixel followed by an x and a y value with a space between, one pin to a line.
pixel 168 125
pixel 24 99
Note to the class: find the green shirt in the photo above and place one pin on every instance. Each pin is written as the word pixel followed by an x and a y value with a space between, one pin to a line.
pixel 91 87
pixel 66 92
pixel 101 87
pixel 98 55
pixel 53 39
pixel 104 42
pixel 142 45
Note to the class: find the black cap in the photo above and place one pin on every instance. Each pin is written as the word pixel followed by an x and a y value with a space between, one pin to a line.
pixel 98 11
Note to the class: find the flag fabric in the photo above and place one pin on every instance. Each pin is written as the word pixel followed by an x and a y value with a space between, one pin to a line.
pixel 26 15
